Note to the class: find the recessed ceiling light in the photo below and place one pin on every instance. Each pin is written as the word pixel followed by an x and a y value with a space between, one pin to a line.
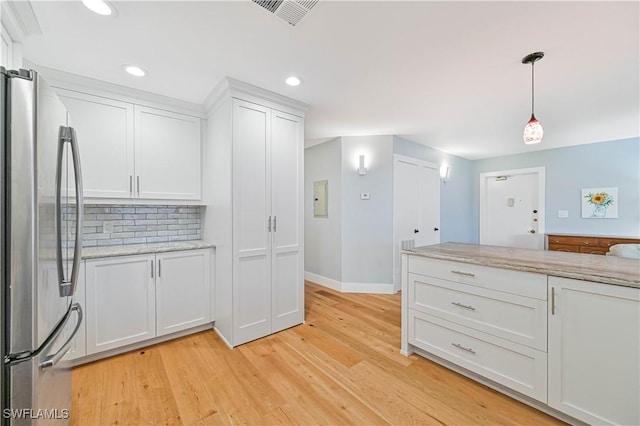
pixel 98 6
pixel 293 81
pixel 134 70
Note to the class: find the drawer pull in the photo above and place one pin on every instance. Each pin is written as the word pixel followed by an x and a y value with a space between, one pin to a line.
pixel 469 307
pixel 466 274
pixel 459 346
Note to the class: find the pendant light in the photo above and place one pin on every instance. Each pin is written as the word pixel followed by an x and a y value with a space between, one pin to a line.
pixel 533 130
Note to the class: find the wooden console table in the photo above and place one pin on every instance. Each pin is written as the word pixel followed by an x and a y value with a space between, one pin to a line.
pixel 592 244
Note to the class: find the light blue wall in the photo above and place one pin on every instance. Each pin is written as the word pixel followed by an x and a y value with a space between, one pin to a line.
pixel 458 223
pixel 323 240
pixel 367 225
pixel 568 170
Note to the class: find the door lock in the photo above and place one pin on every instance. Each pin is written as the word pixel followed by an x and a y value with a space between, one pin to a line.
pixel 533 231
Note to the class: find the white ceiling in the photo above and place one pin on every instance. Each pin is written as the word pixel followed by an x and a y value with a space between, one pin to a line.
pixel 446 74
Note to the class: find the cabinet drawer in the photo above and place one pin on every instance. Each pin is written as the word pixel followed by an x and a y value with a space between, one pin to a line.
pixel 518 367
pixel 608 242
pixel 573 241
pixel 594 250
pixel 564 247
pixel 516 318
pixel 515 282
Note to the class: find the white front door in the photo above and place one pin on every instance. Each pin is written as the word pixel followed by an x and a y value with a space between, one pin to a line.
pixel 416 201
pixel 512 208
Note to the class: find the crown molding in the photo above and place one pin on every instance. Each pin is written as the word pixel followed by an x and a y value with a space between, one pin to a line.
pixel 232 88
pixel 105 89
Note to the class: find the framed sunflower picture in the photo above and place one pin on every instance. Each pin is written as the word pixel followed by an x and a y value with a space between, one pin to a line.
pixel 600 203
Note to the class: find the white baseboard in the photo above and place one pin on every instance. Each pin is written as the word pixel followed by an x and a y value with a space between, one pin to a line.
pixel 380 288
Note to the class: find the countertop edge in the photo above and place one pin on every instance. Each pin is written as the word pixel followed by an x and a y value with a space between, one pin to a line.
pixel 136 249
pixel 527 268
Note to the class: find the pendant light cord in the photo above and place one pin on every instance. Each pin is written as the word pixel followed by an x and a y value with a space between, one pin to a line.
pixel 532 87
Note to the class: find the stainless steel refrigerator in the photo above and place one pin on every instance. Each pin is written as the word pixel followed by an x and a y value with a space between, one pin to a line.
pixel 40 250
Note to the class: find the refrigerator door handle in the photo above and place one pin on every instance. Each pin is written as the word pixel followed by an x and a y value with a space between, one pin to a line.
pixel 52 360
pixel 68 286
pixel 17 358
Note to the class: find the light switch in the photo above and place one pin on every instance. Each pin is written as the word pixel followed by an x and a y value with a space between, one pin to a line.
pixel 563 213
pixel 365 196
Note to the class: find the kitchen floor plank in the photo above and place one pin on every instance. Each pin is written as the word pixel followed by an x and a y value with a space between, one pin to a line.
pixel 341 367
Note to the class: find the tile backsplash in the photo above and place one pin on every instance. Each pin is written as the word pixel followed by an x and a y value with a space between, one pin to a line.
pixel 109 225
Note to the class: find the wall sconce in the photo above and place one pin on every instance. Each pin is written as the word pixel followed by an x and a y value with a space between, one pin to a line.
pixel 444 172
pixel 362 170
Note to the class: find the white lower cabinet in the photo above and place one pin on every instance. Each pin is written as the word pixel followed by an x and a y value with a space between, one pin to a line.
pixel 182 290
pixel 121 306
pixel 130 299
pixel 594 351
pixel 571 345
pixel 490 323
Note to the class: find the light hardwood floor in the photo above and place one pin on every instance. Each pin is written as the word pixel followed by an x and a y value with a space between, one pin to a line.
pixel 342 367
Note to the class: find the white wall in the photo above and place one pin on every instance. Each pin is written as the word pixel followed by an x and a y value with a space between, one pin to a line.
pixel 367 225
pixel 323 236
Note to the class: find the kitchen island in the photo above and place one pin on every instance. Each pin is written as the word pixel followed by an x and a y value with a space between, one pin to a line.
pixel 559 331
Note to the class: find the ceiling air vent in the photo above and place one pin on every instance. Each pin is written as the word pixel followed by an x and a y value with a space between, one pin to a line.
pixel 291 11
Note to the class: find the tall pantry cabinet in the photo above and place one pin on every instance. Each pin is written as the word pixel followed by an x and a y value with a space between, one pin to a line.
pixel 254 182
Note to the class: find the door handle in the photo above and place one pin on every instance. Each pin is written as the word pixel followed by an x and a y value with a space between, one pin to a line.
pixel 274 223
pixel 138 184
pixel 152 269
pixel 435 228
pixel 67 286
pixel 415 231
pixel 52 360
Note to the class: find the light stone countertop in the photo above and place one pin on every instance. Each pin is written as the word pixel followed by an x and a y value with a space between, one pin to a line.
pixel 132 249
pixel 587 267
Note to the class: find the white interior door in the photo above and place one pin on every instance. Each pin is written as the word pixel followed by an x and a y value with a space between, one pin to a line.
pixel 512 208
pixel 416 201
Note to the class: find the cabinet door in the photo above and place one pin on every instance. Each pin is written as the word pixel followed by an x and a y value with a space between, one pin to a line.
pixel 120 303
pixel 594 351
pixel 182 290
pixel 105 139
pixel 168 155
pixel 287 287
pixel 251 211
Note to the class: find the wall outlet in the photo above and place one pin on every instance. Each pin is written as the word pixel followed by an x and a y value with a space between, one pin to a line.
pixel 563 213
pixel 365 196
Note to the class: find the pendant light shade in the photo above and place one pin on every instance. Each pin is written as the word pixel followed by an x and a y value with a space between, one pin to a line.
pixel 533 131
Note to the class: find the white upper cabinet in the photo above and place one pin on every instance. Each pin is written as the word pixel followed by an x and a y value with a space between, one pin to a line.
pixel 105 139
pixel 130 151
pixel 167 155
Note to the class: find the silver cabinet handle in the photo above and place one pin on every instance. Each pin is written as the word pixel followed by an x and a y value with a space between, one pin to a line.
pixel 269 224
pixel 159 268
pixel 52 360
pixel 459 346
pixel 67 286
pixel 274 223
pixel 469 307
pixel 131 185
pixel 466 274
pixel 152 269
pixel 138 184
pixel 553 301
